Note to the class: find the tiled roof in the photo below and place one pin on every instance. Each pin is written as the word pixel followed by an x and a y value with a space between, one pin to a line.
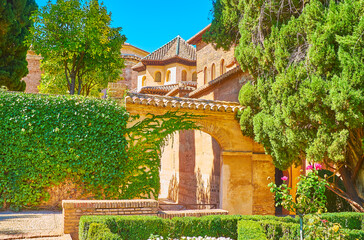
pixel 165 89
pixel 187 103
pixel 178 47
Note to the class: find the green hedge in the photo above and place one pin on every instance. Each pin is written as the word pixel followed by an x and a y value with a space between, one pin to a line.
pixel 350 220
pixel 126 227
pixel 232 226
pixel 47 139
pixel 141 227
pixel 280 230
pixel 249 229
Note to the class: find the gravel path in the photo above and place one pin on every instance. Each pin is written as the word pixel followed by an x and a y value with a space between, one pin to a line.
pixel 25 225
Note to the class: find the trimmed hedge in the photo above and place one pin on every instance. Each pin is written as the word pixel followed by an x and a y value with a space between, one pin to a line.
pixel 141 227
pixel 126 227
pixel 350 220
pixel 280 230
pixel 249 229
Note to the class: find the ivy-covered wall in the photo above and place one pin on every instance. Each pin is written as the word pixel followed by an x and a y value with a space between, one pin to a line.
pixel 47 140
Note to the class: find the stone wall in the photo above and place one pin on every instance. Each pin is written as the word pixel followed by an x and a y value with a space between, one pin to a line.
pixel 32 80
pixel 73 210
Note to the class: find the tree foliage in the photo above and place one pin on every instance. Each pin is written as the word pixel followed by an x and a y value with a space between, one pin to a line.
pixel 14 27
pixel 80 49
pixel 307 100
pixel 47 140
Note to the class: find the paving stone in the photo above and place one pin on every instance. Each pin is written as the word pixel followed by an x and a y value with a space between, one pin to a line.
pixel 30 224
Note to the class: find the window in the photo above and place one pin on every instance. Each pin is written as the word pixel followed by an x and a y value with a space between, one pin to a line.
pixel 144 81
pixel 158 77
pixel 205 75
pixel 184 75
pixel 213 71
pixel 222 67
pixel 194 77
pixel 168 76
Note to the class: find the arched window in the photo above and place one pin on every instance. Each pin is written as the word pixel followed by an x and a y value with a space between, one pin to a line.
pixel 222 67
pixel 144 81
pixel 194 76
pixel 158 77
pixel 184 75
pixel 205 75
pixel 168 76
pixel 213 71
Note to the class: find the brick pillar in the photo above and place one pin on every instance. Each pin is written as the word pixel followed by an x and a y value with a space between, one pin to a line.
pixel 74 209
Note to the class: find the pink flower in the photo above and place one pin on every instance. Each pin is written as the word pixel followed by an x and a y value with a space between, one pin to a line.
pixel 309 167
pixel 318 166
pixel 324 221
pixel 284 178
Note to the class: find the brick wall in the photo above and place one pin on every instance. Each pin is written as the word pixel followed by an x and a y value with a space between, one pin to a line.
pixel 74 209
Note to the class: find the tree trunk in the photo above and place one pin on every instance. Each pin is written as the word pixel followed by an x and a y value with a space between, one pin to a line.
pixel 350 185
pixel 73 84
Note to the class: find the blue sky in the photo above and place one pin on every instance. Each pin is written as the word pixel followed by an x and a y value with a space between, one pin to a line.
pixel 149 24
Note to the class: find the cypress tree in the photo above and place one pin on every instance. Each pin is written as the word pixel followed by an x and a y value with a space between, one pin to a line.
pixel 14 27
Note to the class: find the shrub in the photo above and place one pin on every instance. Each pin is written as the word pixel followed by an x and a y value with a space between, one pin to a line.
pixel 127 227
pixel 141 227
pixel 350 220
pixel 249 229
pixel 99 231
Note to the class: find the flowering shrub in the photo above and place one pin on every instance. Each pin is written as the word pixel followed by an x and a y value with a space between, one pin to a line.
pixel 317 228
pixel 310 195
pixel 310 199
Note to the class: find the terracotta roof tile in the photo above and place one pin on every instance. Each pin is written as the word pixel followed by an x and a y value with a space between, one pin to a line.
pixel 178 47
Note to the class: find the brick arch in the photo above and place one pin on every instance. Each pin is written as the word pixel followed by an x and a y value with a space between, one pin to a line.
pixel 244 166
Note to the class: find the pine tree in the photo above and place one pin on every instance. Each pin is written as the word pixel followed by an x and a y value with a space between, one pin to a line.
pixel 14 27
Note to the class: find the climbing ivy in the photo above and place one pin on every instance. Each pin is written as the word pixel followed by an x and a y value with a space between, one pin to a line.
pixel 46 140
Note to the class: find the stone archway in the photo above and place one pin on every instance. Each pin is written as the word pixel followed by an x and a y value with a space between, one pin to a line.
pixel 244 165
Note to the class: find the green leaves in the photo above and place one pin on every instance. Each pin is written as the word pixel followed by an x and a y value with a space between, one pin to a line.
pixel 47 140
pixel 80 49
pixel 14 27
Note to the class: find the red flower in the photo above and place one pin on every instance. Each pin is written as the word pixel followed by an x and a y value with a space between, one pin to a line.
pixel 284 178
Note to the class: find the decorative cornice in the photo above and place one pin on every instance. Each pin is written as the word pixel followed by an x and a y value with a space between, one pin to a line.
pixel 182 103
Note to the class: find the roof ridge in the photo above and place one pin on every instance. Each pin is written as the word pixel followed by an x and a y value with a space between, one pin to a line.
pixel 163 52
pixel 163 46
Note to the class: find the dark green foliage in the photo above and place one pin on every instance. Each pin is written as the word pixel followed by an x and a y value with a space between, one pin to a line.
pixel 306 101
pixel 99 231
pixel 350 220
pixel 14 27
pixel 248 229
pixel 46 140
pixel 279 230
pixel 354 234
pixel 141 227
pixel 127 227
